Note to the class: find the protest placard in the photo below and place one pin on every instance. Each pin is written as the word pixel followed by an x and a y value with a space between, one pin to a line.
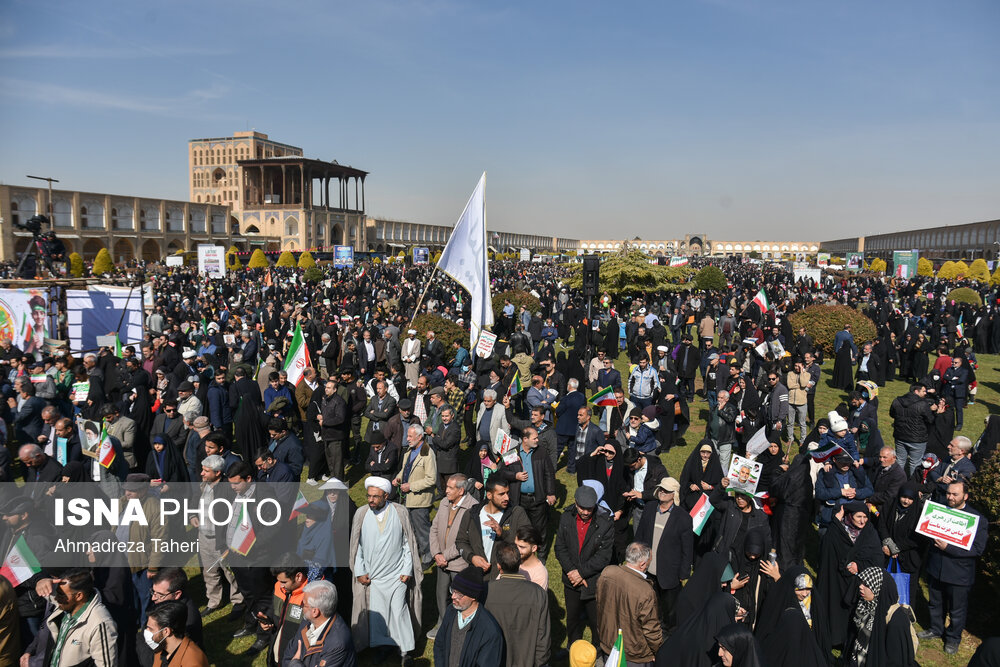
pixel 940 522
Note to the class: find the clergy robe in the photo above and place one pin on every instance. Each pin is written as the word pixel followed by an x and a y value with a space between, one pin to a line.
pixel 387 611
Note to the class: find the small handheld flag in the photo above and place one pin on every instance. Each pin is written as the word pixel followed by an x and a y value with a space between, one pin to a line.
pixel 20 564
pixel 616 658
pixel 605 398
pixel 515 385
pixel 300 504
pixel 244 537
pixel 298 357
pixel 700 513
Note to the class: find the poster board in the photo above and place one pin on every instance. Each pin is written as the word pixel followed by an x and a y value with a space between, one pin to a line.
pixel 758 443
pixel 904 263
pixel 807 273
pixel 855 261
pixel 525 255
pixel 503 445
pixel 175 260
pixel 822 259
pixel 421 255
pixel 343 257
pixel 97 310
pixel 940 522
pixel 744 474
pixel 212 260
pixel 486 343
pixel 24 318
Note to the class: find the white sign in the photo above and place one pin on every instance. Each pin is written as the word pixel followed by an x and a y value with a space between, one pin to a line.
pixel 484 347
pixel 502 446
pixel 940 522
pixel 175 260
pixel 744 474
pixel 212 260
pixel 758 443
pixel 525 255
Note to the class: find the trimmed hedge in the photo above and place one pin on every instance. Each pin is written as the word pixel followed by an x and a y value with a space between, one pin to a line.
pixel 711 278
pixel 823 323
pixel 444 330
pixel 984 494
pixel 258 260
pixel 286 259
pixel 313 275
pixel 76 265
pixel 306 260
pixel 518 298
pixel 103 263
pixel 965 295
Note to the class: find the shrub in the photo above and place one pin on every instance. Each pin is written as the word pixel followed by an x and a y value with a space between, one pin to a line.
pixel 711 278
pixel 979 271
pixel 233 261
pixel 377 260
pixel 877 265
pixel 984 495
pixel 947 271
pixel 313 275
pixel 258 260
pixel 965 295
pixel 76 265
pixel 518 298
pixel 628 271
pixel 103 263
pixel 925 267
pixel 823 323
pixel 435 258
pixel 306 260
pixel 444 330
pixel 286 258
pixel 995 280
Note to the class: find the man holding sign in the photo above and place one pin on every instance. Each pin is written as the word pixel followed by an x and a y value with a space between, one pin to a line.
pixel 951 570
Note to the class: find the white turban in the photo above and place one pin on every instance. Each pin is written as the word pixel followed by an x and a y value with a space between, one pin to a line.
pixel 379 483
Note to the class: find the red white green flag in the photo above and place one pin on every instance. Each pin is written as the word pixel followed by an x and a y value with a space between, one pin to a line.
pixel 762 302
pixel 515 385
pixel 20 564
pixel 300 504
pixel 244 537
pixel 700 513
pixel 298 357
pixel 106 455
pixel 616 658
pixel 604 398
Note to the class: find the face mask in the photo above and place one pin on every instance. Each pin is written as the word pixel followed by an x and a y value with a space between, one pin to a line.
pixel 147 635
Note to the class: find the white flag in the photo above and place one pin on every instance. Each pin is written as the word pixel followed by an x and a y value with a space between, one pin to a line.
pixel 465 260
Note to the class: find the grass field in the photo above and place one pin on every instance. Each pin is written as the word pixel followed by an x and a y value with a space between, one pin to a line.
pixel 983 616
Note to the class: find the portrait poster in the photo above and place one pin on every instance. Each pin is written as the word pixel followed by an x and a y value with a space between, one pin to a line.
pixel 744 475
pixel 24 318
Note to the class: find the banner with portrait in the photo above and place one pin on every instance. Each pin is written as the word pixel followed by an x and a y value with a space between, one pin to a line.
pixel 24 319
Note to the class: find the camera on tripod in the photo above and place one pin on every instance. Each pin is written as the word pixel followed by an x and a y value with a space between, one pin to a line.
pixel 33 224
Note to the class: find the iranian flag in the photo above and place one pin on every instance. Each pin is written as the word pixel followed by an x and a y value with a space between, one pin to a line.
pixel 827 451
pixel 762 302
pixel 298 357
pixel 700 513
pixel 617 656
pixel 361 273
pixel 244 537
pixel 300 504
pixel 604 398
pixel 106 454
pixel 20 564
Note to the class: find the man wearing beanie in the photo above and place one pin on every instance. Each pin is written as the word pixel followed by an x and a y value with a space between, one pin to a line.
pixel 469 635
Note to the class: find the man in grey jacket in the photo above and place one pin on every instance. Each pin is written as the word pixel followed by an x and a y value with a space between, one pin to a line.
pixel 442 539
pixel 522 610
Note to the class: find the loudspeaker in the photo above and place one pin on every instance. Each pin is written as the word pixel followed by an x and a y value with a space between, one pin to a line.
pixel 591 275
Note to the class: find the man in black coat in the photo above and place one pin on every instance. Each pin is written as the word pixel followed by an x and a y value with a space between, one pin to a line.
pixel 668 530
pixel 887 479
pixel 582 563
pixel 446 446
pixel 951 571
pixel 588 437
pixel 481 641
pixel 688 361
pixel 532 482
pixel 27 419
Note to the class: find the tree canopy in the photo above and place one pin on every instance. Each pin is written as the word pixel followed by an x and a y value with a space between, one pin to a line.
pixel 629 272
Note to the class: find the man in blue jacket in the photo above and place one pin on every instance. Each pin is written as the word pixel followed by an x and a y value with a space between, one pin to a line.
pixel 951 571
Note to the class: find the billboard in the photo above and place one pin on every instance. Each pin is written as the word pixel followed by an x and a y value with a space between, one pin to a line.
pixel 904 263
pixel 24 319
pixel 855 261
pixel 823 259
pixel 212 260
pixel 421 255
pixel 343 257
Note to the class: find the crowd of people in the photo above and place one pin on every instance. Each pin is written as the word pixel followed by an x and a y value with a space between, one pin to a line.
pixel 457 455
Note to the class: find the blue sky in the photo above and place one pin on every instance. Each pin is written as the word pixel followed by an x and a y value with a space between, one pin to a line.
pixel 742 119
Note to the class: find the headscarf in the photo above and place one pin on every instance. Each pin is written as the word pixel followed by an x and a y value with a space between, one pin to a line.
pixel 864 613
pixel 740 642
pixel 599 489
pixel 805 582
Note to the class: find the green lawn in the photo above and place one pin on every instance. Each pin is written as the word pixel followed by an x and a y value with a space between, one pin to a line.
pixel 983 617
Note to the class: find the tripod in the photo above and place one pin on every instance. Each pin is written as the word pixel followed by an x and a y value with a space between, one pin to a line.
pixel 36 248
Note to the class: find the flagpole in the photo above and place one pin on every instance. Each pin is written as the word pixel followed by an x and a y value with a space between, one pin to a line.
pixel 416 308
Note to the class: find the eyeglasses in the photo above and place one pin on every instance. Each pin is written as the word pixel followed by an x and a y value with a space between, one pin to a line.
pixel 157 595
